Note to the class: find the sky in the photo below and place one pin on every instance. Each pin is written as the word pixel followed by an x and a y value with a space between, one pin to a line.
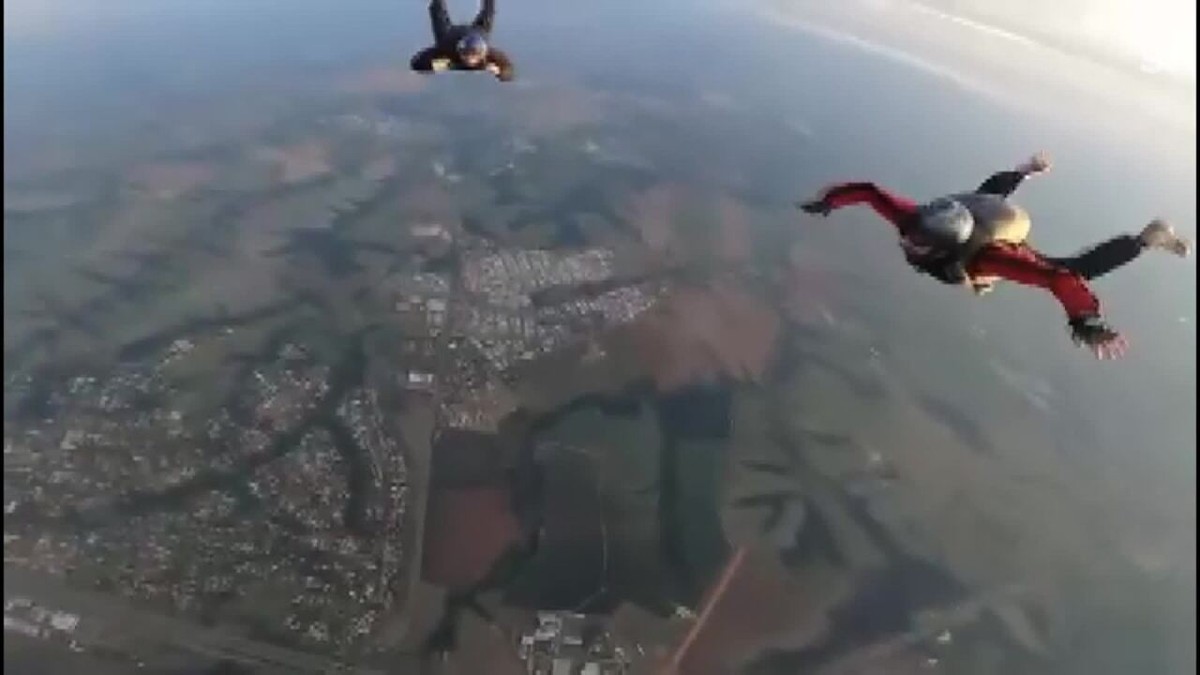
pixel 851 132
pixel 1159 33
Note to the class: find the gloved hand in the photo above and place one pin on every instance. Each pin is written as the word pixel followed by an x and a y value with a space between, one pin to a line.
pixel 1092 332
pixel 816 207
pixel 441 65
pixel 495 69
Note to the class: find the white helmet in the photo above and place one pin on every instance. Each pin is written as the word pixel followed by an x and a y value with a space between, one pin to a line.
pixel 946 220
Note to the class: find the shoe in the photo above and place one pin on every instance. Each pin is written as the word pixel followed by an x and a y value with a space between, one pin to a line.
pixel 1158 234
pixel 1039 163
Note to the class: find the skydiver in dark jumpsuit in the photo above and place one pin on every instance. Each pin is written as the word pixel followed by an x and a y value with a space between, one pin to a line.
pixel 463 47
pixel 1015 261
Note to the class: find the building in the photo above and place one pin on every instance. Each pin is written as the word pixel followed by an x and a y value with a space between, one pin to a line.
pixel 419 381
pixel 63 621
pixel 568 643
pixel 430 231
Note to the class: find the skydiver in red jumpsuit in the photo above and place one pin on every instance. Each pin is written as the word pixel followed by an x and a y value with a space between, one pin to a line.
pixel 945 240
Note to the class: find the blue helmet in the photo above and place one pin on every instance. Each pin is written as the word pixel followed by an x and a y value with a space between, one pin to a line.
pixel 472 47
pixel 946 221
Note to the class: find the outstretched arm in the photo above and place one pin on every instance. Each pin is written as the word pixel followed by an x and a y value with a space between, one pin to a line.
pixel 897 210
pixel 1026 266
pixel 439 19
pixel 487 15
pixel 422 61
pixel 1023 265
pixel 430 60
pixel 1004 183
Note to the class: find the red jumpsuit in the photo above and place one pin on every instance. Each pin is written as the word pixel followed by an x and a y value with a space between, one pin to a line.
pixel 1066 278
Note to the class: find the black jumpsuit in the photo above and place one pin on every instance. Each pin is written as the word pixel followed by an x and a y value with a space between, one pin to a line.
pixel 446 36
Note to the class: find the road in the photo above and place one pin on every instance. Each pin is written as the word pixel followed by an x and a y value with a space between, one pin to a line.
pixel 111 625
pixel 418 428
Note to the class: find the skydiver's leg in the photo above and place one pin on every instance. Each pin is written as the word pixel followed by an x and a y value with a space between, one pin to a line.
pixel 1103 257
pixel 1123 249
pixel 487 14
pixel 439 19
pixel 897 210
pixel 1002 183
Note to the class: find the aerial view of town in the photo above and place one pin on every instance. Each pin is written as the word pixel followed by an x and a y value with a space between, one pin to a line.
pixel 342 368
